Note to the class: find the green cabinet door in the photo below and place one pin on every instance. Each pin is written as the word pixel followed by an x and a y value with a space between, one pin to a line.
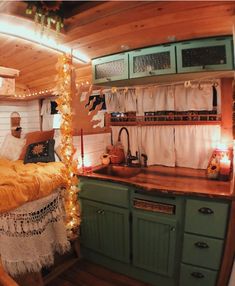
pixel 105 229
pixel 205 55
pixel 90 237
pixel 154 243
pixel 152 61
pixel 110 68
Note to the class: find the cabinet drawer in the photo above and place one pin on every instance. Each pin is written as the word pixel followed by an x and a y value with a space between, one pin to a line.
pixel 206 217
pixel 105 192
pixel 202 251
pixel 196 276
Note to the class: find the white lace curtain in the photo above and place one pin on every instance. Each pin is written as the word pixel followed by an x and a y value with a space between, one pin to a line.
pixel 160 98
pixel 183 146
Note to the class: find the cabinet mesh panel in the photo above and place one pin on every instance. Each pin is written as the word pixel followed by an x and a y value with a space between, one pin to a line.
pixel 204 56
pixel 110 69
pixel 156 61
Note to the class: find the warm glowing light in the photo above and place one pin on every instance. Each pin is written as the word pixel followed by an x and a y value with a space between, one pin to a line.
pixel 70 171
pixel 27 32
pixel 87 161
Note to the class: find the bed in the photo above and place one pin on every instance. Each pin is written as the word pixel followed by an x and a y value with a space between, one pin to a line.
pixel 32 225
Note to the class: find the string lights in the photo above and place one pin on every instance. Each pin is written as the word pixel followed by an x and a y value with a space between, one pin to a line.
pixel 64 88
pixel 34 94
pixel 45 92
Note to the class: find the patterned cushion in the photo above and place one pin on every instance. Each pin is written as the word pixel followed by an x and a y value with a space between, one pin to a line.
pixel 40 152
pixel 34 137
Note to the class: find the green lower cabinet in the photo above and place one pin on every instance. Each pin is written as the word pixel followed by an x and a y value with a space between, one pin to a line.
pixel 161 240
pixel 105 229
pixel 154 243
pixel 196 276
pixel 202 251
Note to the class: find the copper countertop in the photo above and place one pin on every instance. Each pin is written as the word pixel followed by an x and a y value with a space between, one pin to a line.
pixel 176 180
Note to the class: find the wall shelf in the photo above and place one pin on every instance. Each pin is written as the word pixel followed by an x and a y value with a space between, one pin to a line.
pixel 189 119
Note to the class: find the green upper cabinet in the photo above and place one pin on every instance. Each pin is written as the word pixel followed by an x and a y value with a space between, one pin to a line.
pixel 205 55
pixel 110 68
pixel 152 61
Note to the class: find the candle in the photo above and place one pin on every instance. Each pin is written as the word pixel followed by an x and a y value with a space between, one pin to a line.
pixel 225 164
pixel 82 147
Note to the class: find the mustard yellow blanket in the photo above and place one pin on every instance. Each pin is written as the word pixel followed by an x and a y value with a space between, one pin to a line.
pixel 21 183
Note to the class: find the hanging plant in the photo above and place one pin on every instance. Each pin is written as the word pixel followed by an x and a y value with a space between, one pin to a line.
pixel 46 13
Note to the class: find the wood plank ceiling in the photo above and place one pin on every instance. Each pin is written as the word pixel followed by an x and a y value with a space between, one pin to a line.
pixel 107 27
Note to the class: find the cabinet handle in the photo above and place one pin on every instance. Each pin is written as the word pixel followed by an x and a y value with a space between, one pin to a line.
pixel 102 212
pixel 172 228
pixel 197 275
pixel 151 72
pixel 201 244
pixel 108 78
pixel 99 211
pixel 206 211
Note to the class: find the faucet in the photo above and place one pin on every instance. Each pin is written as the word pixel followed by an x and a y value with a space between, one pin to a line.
pixel 129 157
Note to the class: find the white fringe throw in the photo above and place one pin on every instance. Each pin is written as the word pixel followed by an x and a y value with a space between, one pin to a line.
pixel 31 234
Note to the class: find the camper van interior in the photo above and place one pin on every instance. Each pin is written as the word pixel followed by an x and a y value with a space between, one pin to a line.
pixel 117 129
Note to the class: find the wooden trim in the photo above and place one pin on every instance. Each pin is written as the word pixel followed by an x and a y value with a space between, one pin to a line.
pixel 229 250
pixel 126 123
pixel 226 109
pixel 77 133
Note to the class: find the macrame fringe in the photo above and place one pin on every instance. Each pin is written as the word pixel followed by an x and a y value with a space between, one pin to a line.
pixel 20 267
pixel 17 223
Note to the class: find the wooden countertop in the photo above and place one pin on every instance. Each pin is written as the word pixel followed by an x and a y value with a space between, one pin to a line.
pixel 176 180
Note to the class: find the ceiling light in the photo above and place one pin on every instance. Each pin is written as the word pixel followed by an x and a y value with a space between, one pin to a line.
pixel 27 32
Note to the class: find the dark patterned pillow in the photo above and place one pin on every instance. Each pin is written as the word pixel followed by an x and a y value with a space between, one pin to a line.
pixel 40 152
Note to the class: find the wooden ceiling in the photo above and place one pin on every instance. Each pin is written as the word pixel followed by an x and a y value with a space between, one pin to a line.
pixel 107 27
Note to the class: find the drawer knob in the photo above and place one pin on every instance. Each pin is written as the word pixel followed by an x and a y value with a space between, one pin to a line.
pixel 206 211
pixel 197 275
pixel 201 244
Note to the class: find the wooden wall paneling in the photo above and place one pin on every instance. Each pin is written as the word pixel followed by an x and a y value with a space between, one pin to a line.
pixel 102 28
pixel 144 18
pixel 226 109
pixel 94 146
pixel 29 112
pixel 134 39
pixel 233 113
pixel 118 19
pixel 103 11
pixel 84 74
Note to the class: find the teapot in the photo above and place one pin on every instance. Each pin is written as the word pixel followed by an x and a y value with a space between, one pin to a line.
pixel 105 159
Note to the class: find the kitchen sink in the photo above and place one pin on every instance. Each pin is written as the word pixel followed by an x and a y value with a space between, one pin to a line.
pixel 119 171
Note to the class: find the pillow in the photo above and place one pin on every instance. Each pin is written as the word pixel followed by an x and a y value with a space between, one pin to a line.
pixel 58 152
pixel 12 147
pixel 36 136
pixel 40 152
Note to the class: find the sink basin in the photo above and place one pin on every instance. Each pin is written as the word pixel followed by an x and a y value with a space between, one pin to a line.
pixel 119 171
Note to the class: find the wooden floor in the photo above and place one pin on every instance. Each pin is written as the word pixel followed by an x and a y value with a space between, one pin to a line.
pixel 84 273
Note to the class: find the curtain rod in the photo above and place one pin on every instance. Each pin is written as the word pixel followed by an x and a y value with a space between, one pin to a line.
pixel 186 83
